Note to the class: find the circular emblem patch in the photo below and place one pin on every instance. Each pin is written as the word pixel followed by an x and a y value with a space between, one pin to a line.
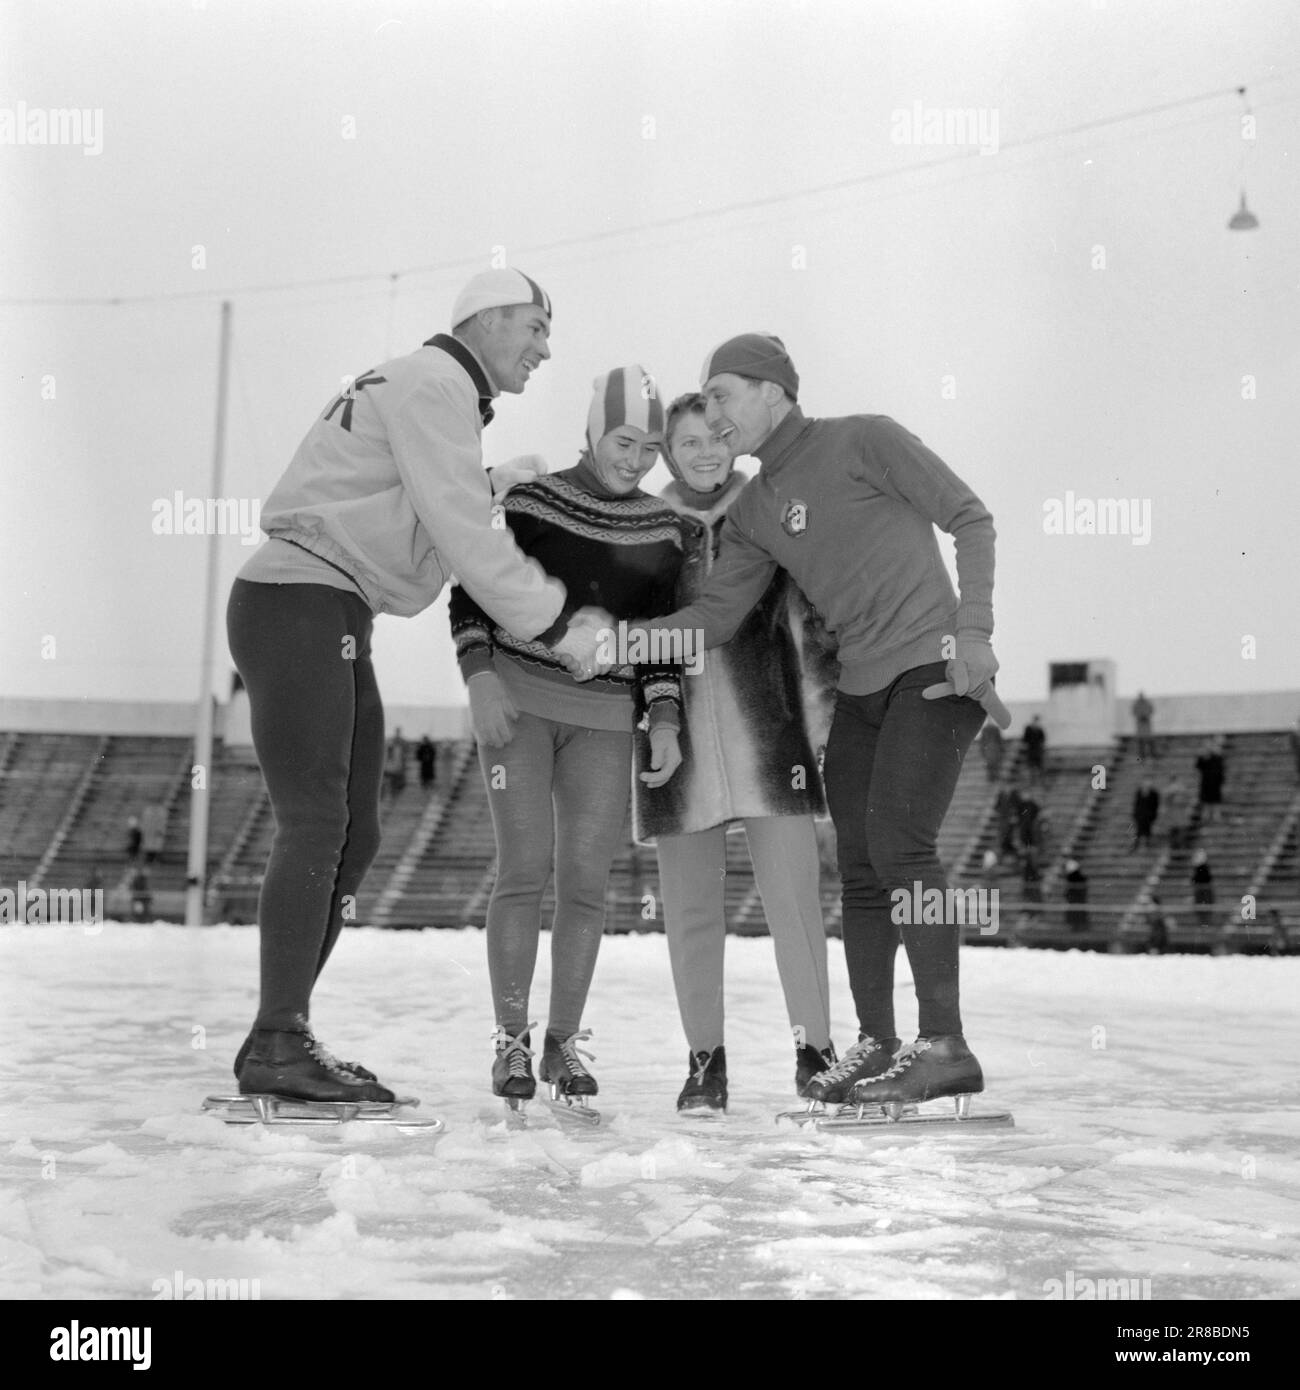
pixel 795 520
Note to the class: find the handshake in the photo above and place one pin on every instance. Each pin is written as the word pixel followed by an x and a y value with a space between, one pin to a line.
pixel 580 647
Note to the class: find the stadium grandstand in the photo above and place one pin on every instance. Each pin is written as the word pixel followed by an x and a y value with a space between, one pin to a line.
pixel 73 774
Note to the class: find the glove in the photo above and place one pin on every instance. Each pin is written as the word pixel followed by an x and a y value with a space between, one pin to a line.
pixel 665 757
pixel 492 712
pixel 579 647
pixel 522 469
pixel 971 673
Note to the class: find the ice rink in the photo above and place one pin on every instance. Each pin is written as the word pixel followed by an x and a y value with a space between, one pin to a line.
pixel 1156 1145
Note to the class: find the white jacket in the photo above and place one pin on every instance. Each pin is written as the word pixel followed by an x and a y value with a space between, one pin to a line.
pixel 389 486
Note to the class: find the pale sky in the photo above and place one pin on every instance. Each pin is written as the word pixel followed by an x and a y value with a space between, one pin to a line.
pixel 1065 314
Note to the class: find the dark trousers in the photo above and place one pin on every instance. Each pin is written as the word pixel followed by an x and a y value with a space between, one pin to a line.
pixel 892 762
pixel 303 651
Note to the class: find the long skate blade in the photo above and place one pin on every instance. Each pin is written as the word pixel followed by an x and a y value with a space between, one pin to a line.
pixel 813 1110
pixel 280 1110
pixel 569 1108
pixel 861 1118
pixel 516 1112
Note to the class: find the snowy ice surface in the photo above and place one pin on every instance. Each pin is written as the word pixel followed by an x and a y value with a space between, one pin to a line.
pixel 1155 1101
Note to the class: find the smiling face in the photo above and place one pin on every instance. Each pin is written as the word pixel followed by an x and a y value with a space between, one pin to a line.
pixel 701 457
pixel 513 344
pixel 740 411
pixel 624 456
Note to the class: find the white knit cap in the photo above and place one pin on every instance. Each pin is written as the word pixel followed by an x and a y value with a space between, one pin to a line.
pixel 496 289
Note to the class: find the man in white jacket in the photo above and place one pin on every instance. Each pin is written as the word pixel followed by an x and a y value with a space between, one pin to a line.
pixel 385 499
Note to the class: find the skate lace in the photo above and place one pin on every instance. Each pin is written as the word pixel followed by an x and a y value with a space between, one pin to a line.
pixel 516 1052
pixel 326 1058
pixel 851 1060
pixel 702 1060
pixel 569 1051
pixel 905 1058
pixel 320 1053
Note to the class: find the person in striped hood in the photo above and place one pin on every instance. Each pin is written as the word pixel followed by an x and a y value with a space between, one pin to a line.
pixel 756 716
pixel 557 754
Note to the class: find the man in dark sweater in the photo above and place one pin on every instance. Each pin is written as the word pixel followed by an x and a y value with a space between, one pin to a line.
pixel 1146 808
pixel 1034 739
pixel 849 508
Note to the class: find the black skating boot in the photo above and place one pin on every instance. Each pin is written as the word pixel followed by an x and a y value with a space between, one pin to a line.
pixel 561 1068
pixel 924 1070
pixel 809 1062
pixel 866 1058
pixel 292 1064
pixel 706 1086
pixel 512 1071
pixel 352 1068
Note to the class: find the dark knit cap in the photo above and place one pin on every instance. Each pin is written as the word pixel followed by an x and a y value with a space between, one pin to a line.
pixel 759 355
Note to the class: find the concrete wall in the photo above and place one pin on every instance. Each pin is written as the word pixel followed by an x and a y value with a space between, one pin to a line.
pixel 96 717
pixel 1179 714
pixel 176 719
pixel 1205 714
pixel 1175 714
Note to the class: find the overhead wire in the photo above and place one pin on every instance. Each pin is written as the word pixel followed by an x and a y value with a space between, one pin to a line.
pixel 681 220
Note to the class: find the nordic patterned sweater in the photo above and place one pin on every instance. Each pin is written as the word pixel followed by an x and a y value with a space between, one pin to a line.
pixel 622 554
pixel 848 507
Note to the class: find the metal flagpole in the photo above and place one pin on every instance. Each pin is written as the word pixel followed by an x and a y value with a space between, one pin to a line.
pixel 201 773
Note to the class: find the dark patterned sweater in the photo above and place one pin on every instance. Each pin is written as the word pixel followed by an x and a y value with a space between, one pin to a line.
pixel 622 554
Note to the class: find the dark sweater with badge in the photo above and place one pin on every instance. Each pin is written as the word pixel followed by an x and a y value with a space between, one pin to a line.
pixel 848 508
pixel 622 554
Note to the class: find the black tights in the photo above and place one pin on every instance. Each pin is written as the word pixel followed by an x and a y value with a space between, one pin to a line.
pixel 303 651
pixel 891 767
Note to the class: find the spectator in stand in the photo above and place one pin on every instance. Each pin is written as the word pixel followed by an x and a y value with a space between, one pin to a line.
pixel 427 756
pixel 1294 739
pixel 1212 772
pixel 134 838
pixel 1007 809
pixel 395 764
pixel 990 869
pixel 1027 813
pixel 991 750
pixel 1076 894
pixel 1031 883
pixel 1146 808
pixel 1035 740
pixel 1045 837
pixel 1143 709
pixel 1202 887
pixel 141 895
pixel 1278 945
pixel 1175 806
pixel 1157 928
pixel 154 826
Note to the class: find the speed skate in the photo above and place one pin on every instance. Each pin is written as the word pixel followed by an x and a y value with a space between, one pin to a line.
pixel 568 1106
pixel 283 1110
pixel 949 1113
pixel 564 1107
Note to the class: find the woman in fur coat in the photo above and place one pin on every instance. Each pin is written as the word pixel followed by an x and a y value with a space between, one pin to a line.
pixel 755 720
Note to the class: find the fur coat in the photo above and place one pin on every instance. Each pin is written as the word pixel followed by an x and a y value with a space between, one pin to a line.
pixel 756 717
